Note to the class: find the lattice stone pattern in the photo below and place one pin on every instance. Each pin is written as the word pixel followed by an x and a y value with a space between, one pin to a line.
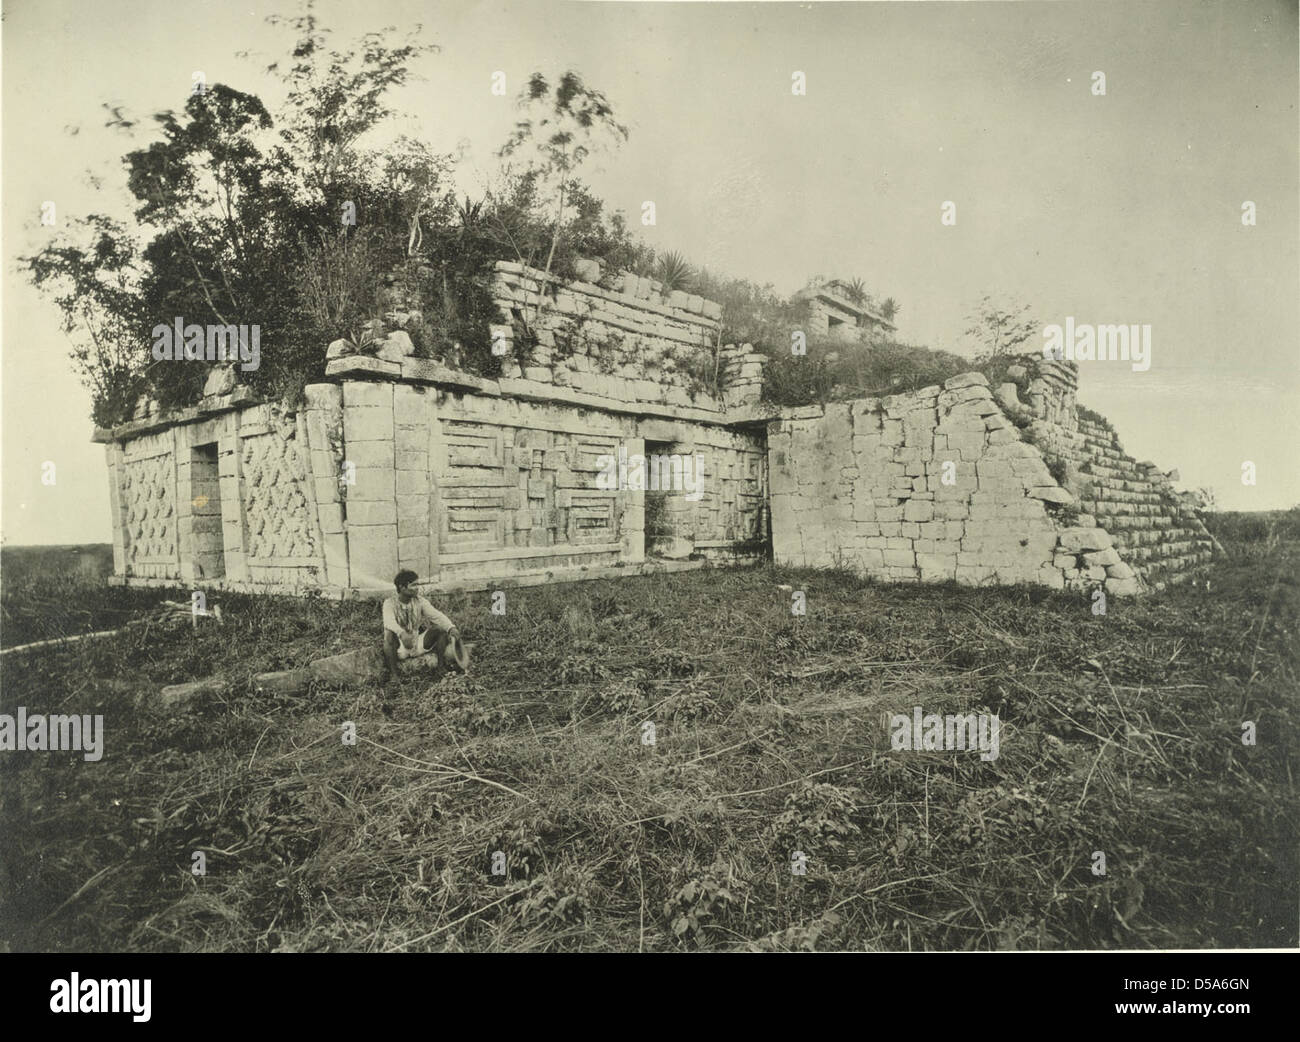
pixel 147 488
pixel 275 504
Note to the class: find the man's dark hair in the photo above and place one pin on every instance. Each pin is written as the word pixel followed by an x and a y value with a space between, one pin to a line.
pixel 405 576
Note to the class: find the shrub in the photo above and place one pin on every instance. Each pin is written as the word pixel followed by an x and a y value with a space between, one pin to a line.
pixel 717 895
pixel 832 370
pixel 816 817
pixel 1094 417
pixel 339 278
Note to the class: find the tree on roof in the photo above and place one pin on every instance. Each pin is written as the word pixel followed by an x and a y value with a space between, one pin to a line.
pixel 999 326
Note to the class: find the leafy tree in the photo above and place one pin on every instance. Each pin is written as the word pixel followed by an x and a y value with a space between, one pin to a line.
pixel 334 98
pixel 998 327
pixel 248 226
pixel 558 129
pixel 94 285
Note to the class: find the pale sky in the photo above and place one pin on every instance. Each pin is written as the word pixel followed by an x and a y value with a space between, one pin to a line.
pixel 1117 209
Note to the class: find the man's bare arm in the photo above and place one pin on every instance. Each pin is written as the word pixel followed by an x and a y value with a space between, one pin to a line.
pixel 439 621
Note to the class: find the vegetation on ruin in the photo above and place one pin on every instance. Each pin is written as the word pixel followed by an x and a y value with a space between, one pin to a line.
pixel 835 370
pixel 287 220
pixel 1094 417
pixel 1121 735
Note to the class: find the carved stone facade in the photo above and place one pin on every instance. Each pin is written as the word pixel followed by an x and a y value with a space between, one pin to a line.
pixel 462 485
pixel 149 503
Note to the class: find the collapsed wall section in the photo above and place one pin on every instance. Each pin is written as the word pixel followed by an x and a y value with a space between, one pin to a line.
pixel 958 483
pixel 629 342
pixel 931 486
pixel 1154 530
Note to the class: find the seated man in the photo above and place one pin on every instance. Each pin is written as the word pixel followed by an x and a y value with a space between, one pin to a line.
pixel 413 627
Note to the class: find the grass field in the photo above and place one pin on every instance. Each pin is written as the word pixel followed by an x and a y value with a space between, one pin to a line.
pixel 1122 734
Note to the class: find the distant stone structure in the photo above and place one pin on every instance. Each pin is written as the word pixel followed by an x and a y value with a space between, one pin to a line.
pixel 836 315
pixel 403 462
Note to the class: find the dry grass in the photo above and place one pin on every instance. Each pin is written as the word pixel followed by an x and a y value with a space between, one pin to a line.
pixel 1122 734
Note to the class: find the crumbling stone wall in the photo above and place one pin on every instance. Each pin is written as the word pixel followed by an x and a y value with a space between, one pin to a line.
pixel 935 485
pixel 629 343
pixel 741 375
pixel 832 313
pixel 955 483
pixel 1154 529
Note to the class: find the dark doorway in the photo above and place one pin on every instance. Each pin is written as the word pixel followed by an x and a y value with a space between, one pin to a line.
pixel 668 517
pixel 657 533
pixel 208 546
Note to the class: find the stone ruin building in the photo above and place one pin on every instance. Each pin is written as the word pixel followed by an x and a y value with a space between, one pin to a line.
pixel 835 314
pixel 397 461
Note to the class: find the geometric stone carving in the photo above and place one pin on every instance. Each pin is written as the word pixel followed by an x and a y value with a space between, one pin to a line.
pixel 275 503
pixel 148 488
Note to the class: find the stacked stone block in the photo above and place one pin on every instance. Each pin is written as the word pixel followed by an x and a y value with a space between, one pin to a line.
pixel 741 375
pixel 324 426
pixel 414 428
pixel 1154 528
pixel 630 343
pixel 370 488
pixel 1153 533
pixel 930 486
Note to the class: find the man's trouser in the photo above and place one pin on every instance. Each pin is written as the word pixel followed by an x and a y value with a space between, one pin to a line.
pixel 428 641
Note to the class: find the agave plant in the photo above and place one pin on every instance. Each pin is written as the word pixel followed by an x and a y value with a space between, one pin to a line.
pixel 469 215
pixel 366 335
pixel 889 309
pixel 675 273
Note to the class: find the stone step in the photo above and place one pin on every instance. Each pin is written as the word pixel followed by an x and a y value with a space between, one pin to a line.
pixel 1157 536
pixel 1136 555
pixel 1132 502
pixel 1127 517
pixel 1134 552
pixel 1133 517
pixel 1116 478
pixel 1121 466
pixel 1171 569
pixel 1151 529
pixel 1116 508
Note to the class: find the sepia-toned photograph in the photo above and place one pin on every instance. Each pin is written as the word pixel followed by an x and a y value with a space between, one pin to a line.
pixel 650 477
